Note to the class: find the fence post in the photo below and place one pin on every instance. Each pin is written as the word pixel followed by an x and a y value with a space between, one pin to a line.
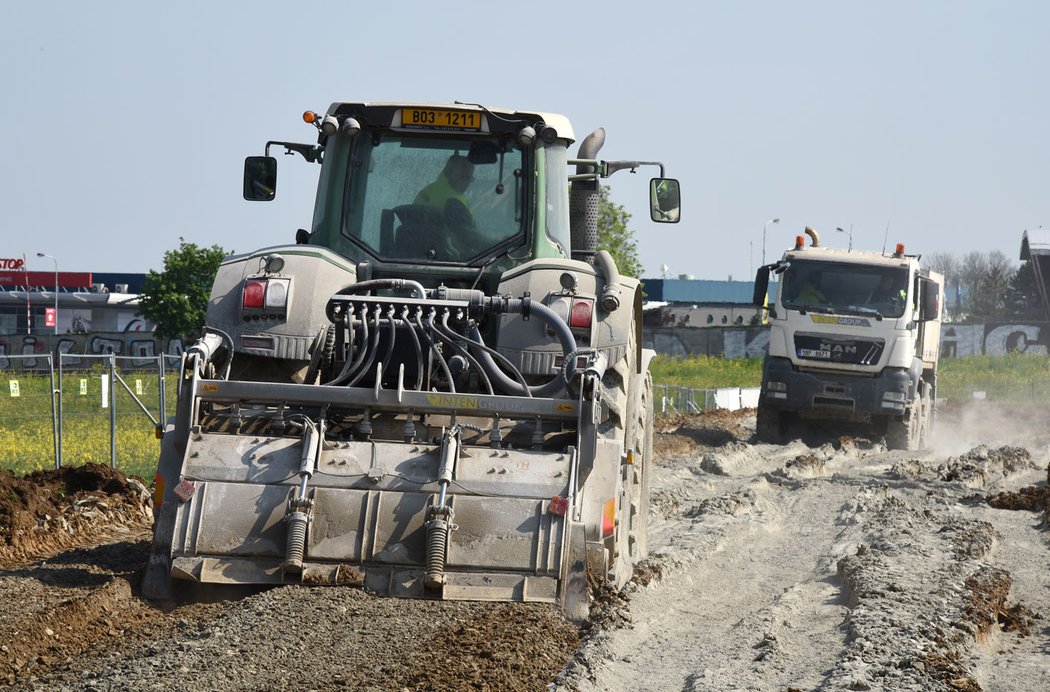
pixel 58 449
pixel 163 417
pixel 55 395
pixel 112 410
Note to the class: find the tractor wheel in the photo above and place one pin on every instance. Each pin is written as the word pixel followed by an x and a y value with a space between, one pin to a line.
pixel 640 441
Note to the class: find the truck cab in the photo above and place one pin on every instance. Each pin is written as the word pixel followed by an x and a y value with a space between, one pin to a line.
pixel 854 337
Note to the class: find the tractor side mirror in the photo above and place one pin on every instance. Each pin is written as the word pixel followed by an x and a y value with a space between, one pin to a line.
pixel 665 200
pixel 260 178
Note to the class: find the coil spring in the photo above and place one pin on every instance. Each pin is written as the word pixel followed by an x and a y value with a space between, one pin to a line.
pixel 296 544
pixel 437 542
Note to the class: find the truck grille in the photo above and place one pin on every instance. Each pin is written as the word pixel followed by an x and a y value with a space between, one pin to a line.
pixel 824 350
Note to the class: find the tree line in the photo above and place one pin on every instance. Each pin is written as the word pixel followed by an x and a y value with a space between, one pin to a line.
pixel 988 287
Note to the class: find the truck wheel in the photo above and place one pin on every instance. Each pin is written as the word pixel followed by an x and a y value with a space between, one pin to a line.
pixel 770 424
pixel 903 433
pixel 926 422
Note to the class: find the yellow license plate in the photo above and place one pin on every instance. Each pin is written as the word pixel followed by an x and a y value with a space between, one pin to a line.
pixel 435 119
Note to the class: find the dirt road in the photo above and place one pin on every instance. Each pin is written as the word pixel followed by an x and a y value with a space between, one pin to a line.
pixel 823 564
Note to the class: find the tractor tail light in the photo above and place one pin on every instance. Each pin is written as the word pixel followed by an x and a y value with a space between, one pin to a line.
pixel 580 316
pixel 254 293
pixel 265 293
pixel 276 293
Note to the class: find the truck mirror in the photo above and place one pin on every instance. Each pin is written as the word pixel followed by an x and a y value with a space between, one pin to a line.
pixel 665 200
pixel 761 286
pixel 260 178
pixel 930 309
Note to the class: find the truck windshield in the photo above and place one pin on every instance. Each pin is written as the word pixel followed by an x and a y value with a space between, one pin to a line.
pixel 845 287
pixel 435 199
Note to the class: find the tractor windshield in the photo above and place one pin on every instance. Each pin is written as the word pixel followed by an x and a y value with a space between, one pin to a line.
pixel 435 199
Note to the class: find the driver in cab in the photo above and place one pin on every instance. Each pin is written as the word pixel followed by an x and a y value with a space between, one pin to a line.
pixel 446 194
pixel 888 291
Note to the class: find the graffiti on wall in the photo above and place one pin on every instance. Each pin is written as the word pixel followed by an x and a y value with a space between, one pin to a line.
pixel 957 340
pixel 125 344
pixel 994 339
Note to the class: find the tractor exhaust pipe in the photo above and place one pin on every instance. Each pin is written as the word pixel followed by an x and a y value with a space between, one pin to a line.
pixel 583 202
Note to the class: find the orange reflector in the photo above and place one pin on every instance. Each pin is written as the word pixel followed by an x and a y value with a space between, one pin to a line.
pixel 630 456
pixel 158 432
pixel 310 117
pixel 609 518
pixel 559 505
pixel 158 491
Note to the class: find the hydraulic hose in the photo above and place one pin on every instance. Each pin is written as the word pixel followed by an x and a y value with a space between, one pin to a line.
pixel 372 284
pixel 452 338
pixel 352 365
pixel 433 349
pixel 371 348
pixel 391 338
pixel 565 337
pixel 415 343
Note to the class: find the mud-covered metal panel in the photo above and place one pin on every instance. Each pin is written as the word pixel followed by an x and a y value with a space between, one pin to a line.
pixel 505 472
pixel 243 458
pixel 487 586
pixel 505 534
pixel 398 536
pixel 338 525
pixel 234 519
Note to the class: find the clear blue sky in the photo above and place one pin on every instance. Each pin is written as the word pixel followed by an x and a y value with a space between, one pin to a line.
pixel 125 124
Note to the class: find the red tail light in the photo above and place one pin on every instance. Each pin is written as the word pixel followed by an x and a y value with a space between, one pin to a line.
pixel 254 292
pixel 581 313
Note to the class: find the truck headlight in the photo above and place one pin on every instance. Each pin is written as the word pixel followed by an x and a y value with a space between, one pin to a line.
pixel 777 390
pixel 894 401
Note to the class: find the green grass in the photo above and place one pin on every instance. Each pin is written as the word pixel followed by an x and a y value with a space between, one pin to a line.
pixel 706 372
pixel 1012 377
pixel 27 444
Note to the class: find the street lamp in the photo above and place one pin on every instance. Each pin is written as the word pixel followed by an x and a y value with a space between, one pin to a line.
pixel 53 259
pixel 842 230
pixel 764 227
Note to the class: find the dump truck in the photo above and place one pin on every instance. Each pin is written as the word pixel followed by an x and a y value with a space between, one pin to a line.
pixel 854 338
pixel 437 391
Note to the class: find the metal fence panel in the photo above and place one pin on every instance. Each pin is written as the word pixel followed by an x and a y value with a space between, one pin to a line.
pixel 28 435
pixel 83 409
pixel 110 408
